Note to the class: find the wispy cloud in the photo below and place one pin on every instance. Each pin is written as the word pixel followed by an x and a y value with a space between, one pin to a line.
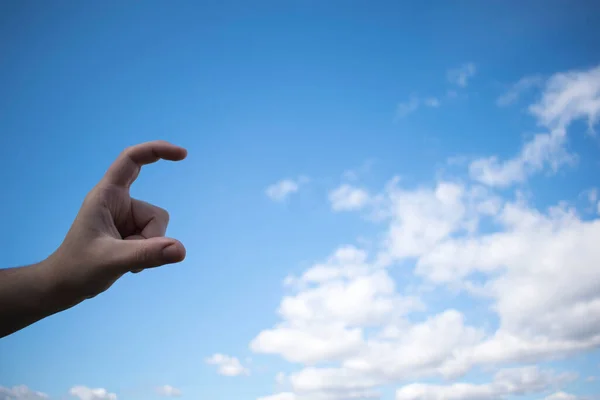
pixel 347 197
pixel 543 150
pixel 168 391
pixel 569 96
pixel 281 190
pixel 414 103
pixel 227 365
pixel 354 174
pixel 565 98
pixel 516 90
pixel 460 76
pixel 408 107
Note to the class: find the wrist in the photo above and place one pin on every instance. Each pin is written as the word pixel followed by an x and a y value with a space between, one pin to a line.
pixel 55 291
pixel 28 294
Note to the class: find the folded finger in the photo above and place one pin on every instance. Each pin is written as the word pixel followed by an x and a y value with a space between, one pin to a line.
pixel 150 220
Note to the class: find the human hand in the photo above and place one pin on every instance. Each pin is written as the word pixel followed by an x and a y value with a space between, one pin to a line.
pixel 113 233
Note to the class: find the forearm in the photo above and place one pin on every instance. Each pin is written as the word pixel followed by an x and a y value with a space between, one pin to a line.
pixel 27 295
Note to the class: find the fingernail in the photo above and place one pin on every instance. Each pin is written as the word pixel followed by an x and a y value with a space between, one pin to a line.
pixel 171 253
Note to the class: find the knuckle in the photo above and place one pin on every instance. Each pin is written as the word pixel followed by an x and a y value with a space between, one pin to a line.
pixel 127 153
pixel 162 214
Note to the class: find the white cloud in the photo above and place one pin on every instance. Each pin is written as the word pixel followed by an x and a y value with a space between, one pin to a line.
pixel 21 392
pixel 358 319
pixel 408 350
pixel 308 344
pixel 86 393
pixel 516 90
pixel 460 76
pixel 347 198
pixel 545 149
pixel 346 262
pixel 537 269
pixel 227 365
pixel 281 190
pixel 421 218
pixel 515 381
pixel 333 383
pixel 322 321
pixel 168 391
pixel 549 285
pixel 413 103
pixel 280 396
pixel 561 396
pixel 565 98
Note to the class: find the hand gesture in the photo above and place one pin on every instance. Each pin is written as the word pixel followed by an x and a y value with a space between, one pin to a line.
pixel 114 233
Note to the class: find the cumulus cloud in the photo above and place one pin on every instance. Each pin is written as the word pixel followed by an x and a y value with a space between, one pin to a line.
pixel 20 392
pixel 515 381
pixel 322 321
pixel 460 76
pixel 283 189
pixel 352 325
pixel 227 365
pixel 86 393
pixel 532 252
pixel 347 197
pixel 168 391
pixel 537 269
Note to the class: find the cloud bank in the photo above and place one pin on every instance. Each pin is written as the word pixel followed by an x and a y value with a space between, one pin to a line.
pixel 353 327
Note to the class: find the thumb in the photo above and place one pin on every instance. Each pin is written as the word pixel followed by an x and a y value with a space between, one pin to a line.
pixel 138 254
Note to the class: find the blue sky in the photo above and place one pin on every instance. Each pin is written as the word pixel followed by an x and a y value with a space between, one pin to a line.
pixel 311 273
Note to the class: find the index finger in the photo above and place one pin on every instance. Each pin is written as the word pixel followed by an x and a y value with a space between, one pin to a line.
pixel 127 166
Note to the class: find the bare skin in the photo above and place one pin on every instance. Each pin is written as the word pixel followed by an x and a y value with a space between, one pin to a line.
pixel 113 234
